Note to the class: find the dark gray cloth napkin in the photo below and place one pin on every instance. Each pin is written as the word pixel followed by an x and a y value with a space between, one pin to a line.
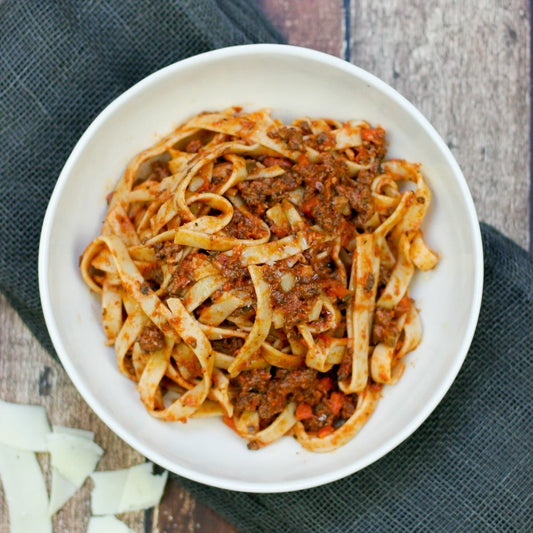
pixel 468 468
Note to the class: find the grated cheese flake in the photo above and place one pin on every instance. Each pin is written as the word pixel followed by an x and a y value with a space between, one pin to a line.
pixel 25 491
pixel 128 489
pixel 24 427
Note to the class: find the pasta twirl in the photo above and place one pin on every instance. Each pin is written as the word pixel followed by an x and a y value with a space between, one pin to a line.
pixel 260 271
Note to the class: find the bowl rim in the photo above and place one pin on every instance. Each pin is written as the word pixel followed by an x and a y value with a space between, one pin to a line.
pixel 92 400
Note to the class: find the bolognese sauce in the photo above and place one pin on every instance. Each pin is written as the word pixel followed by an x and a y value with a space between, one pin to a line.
pixel 260 271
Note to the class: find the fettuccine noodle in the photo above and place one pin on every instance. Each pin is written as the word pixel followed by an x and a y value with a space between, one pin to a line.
pixel 260 272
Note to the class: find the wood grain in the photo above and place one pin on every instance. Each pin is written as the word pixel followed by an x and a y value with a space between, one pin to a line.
pixel 466 66
pixel 180 513
pixel 317 24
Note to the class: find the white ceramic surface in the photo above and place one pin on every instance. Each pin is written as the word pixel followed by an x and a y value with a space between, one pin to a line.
pixel 293 82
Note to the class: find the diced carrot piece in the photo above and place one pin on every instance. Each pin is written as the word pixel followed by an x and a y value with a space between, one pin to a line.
pixel 302 160
pixel 336 401
pixel 303 411
pixel 282 162
pixel 374 135
pixel 337 289
pixel 403 306
pixel 325 384
pixel 229 422
pixel 325 431
pixel 308 205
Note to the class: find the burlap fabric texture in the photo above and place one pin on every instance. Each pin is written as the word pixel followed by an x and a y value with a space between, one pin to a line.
pixel 468 468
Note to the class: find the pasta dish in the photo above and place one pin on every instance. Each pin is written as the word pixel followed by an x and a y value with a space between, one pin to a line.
pixel 259 271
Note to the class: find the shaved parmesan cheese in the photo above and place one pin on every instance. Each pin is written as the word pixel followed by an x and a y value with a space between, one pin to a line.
pixel 24 427
pixel 107 491
pixel 74 431
pixel 129 489
pixel 143 489
pixel 40 523
pixel 25 491
pixel 107 524
pixel 62 490
pixel 74 457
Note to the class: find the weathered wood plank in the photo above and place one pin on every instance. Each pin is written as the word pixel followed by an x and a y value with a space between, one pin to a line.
pixel 465 65
pixel 317 24
pixel 180 513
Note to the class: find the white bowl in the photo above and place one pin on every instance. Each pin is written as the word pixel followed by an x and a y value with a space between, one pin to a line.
pixel 293 82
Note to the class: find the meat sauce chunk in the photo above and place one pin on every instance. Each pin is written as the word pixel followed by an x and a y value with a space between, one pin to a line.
pixel 319 403
pixel 151 339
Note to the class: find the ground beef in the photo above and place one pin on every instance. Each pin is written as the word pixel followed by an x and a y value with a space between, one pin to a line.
pixel 151 339
pixel 323 416
pixel 295 304
pixel 329 167
pixel 193 146
pixel 260 195
pixel 384 327
pixel 236 275
pixel 159 170
pixel 301 385
pixel 373 148
pixel 321 141
pixel 345 368
pixel 152 275
pixel 270 161
pixel 348 407
pixel 259 390
pixel 231 345
pixel 244 226
pixel 183 272
pixel 251 387
pixel 384 274
pixel 375 142
pixel 325 214
pixel 305 127
pixel 221 173
pixel 331 194
pixel 323 204
pixel 360 199
pixel 315 274
pixel 253 380
pixel 292 136
pixel 167 250
pixel 269 393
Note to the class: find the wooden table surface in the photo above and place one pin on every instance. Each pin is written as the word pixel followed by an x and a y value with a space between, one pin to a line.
pixel 465 65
